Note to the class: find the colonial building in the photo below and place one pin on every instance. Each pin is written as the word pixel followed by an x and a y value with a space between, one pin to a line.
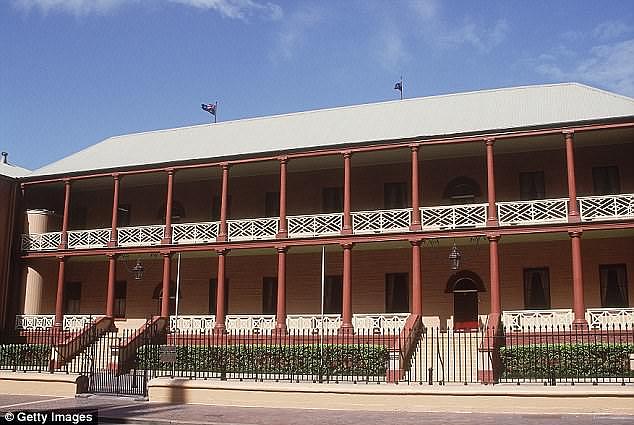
pixel 529 190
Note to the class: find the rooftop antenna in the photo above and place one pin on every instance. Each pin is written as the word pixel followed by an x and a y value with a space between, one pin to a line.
pixel 5 155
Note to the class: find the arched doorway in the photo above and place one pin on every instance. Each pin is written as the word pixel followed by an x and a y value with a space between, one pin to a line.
pixel 465 286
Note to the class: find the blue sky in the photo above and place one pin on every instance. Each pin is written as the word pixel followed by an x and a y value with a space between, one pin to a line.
pixel 73 72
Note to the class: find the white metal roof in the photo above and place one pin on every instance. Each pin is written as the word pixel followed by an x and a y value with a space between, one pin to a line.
pixel 13 171
pixel 478 111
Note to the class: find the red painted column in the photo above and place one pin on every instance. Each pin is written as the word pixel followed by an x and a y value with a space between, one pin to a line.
pixel 64 239
pixel 167 274
pixel 492 216
pixel 224 199
pixel 573 210
pixel 220 292
pixel 115 211
pixel 283 230
pixel 346 316
pixel 59 301
pixel 347 217
pixel 494 270
pixel 169 201
pixel 578 304
pixel 416 224
pixel 112 278
pixel 417 287
pixel 280 325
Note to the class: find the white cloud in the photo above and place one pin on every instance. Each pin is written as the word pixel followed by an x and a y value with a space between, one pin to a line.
pixel 76 7
pixel 295 26
pixel 483 39
pixel 237 9
pixel 391 50
pixel 607 65
pixel 425 9
pixel 610 30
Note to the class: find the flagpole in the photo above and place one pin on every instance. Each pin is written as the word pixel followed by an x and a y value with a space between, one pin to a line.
pixel 321 333
pixel 401 87
pixel 216 114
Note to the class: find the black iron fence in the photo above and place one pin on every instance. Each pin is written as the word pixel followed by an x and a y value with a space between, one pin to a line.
pixel 123 361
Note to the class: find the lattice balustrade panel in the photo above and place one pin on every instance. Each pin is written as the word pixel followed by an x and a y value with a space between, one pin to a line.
pixel 78 321
pixel 529 212
pixel 314 225
pixel 380 322
pixel 381 221
pixel 257 228
pixel 192 323
pixel 608 207
pixel 97 238
pixel 195 232
pixel 534 320
pixel 248 323
pixel 610 317
pixel 312 324
pixel 140 235
pixel 34 321
pixel 451 217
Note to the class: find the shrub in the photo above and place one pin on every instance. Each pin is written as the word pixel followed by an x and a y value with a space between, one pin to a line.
pixel 21 355
pixel 596 360
pixel 360 360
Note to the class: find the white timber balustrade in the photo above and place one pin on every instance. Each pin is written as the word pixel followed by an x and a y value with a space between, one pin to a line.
pixel 72 322
pixel 300 226
pixel 542 211
pixel 195 233
pixel 32 322
pixel 86 239
pixel 253 229
pixel 453 216
pixel 41 241
pixel 606 207
pixel 380 323
pixel 140 235
pixel 534 320
pixel 533 212
pixel 313 324
pixel 381 221
pixel 203 324
pixel 608 318
pixel 250 323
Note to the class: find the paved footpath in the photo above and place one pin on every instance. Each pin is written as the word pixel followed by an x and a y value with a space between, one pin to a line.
pixel 129 410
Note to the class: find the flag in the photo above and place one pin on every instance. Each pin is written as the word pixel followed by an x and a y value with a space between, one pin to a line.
pixel 209 107
pixel 399 86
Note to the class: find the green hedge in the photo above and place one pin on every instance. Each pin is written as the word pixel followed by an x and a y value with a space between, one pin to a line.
pixel 360 360
pixel 24 355
pixel 566 361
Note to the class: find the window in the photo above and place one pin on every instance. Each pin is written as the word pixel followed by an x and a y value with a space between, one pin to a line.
pixel 333 295
pixel 72 296
pixel 613 279
pixel 213 295
pixel 158 296
pixel 532 186
pixel 606 180
pixel 537 288
pixel 123 215
pixel 272 204
pixel 215 208
pixel 332 199
pixel 395 195
pixel 396 293
pixel 120 295
pixel 269 295
pixel 462 188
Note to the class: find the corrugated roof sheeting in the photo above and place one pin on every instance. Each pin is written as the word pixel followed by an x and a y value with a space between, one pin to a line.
pixel 420 117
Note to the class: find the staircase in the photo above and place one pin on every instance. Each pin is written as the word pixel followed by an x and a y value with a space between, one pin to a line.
pixel 453 356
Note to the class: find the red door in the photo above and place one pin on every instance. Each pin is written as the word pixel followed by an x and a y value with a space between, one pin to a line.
pixel 465 310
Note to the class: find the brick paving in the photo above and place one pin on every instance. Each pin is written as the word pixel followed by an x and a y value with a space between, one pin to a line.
pixel 130 410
